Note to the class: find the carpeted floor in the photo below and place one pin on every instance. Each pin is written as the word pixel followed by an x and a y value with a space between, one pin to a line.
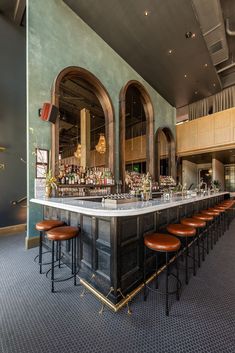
pixel 33 320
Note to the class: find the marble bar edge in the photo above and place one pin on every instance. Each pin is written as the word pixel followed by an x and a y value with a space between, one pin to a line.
pixel 132 209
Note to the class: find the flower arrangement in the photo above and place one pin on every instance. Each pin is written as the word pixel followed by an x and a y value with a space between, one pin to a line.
pixel 51 180
pixel 51 183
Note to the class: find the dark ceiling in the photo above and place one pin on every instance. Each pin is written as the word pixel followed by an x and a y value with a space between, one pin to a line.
pixel 189 72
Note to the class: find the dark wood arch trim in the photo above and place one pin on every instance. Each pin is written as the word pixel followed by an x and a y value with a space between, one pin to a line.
pixel 171 146
pixel 149 113
pixel 107 106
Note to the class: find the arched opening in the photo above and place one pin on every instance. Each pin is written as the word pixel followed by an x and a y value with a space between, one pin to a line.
pixel 165 154
pixel 136 130
pixel 84 104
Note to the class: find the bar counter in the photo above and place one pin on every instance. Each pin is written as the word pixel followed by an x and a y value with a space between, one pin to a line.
pixel 111 243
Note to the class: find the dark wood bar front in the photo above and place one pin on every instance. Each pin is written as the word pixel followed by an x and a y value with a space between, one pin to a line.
pixel 111 252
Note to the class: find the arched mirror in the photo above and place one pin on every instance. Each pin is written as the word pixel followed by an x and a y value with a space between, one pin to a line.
pixel 83 135
pixel 165 154
pixel 136 131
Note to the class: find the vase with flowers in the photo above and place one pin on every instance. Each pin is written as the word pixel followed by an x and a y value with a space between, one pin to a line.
pixel 51 183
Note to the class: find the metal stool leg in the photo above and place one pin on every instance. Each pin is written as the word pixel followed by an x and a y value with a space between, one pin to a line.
pixel 198 248
pixel 145 288
pixel 156 270
pixel 177 277
pixel 167 275
pixel 52 266
pixel 194 260
pixel 186 262
pixel 75 261
pixel 40 251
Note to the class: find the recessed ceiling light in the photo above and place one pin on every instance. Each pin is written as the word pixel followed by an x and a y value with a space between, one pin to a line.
pixel 170 51
pixel 214 84
pixel 185 76
pixel 146 13
pixel 206 65
pixel 190 34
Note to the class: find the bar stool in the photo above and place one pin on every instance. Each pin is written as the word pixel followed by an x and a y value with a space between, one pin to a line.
pixel 42 227
pixel 221 224
pixel 162 243
pixel 57 235
pixel 198 224
pixel 184 232
pixel 208 219
pixel 215 216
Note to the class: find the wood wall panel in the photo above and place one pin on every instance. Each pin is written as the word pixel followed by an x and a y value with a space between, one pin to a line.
pixel 207 133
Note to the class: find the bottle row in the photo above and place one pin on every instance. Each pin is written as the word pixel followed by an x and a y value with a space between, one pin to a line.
pixel 75 175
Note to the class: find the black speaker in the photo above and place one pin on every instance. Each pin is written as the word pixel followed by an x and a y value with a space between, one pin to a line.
pixel 49 112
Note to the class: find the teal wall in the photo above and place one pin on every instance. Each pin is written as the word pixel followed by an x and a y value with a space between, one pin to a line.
pixel 12 122
pixel 58 38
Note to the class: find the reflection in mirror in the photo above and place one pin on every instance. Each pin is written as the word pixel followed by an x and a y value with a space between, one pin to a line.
pixel 81 124
pixel 135 132
pixel 164 154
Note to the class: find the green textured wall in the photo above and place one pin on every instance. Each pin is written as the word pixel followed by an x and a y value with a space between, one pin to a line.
pixel 58 38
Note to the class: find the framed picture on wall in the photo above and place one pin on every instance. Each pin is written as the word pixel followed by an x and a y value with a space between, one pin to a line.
pixel 41 170
pixel 42 162
pixel 42 156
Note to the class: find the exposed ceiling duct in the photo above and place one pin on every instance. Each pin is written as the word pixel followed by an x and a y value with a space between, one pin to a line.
pixel 228 30
pixel 209 14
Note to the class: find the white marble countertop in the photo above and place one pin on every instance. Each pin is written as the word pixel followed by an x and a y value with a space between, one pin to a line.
pixel 91 208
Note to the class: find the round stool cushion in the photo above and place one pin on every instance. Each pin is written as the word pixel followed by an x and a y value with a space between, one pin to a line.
pixel 162 242
pixel 62 233
pixel 181 230
pixel 216 209
pixel 209 213
pixel 48 224
pixel 203 217
pixel 192 222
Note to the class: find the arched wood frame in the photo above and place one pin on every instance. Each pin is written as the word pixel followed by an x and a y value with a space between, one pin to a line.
pixel 148 109
pixel 105 101
pixel 171 151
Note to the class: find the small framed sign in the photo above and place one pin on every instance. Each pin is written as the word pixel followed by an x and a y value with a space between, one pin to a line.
pixel 41 156
pixel 41 170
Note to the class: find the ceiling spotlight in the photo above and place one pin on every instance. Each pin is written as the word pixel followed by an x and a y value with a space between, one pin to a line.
pixel 170 51
pixel 185 76
pixel 214 84
pixel 205 65
pixel 146 12
pixel 196 92
pixel 189 34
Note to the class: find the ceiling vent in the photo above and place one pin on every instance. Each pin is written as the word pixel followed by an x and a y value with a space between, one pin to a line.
pixel 210 18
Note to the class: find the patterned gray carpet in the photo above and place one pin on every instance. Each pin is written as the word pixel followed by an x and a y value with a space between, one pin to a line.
pixel 32 320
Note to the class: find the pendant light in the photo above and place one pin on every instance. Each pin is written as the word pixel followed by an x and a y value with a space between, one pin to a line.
pixel 78 151
pixel 101 146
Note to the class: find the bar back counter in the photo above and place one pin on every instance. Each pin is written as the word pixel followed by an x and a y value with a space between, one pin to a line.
pixel 111 247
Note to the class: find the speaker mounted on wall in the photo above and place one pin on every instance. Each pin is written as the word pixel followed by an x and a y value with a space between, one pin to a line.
pixel 49 112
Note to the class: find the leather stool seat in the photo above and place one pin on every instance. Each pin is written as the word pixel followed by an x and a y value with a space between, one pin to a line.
pixel 203 217
pixel 62 233
pixel 46 225
pixel 216 209
pixel 162 242
pixel 193 222
pixel 181 230
pixel 210 213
